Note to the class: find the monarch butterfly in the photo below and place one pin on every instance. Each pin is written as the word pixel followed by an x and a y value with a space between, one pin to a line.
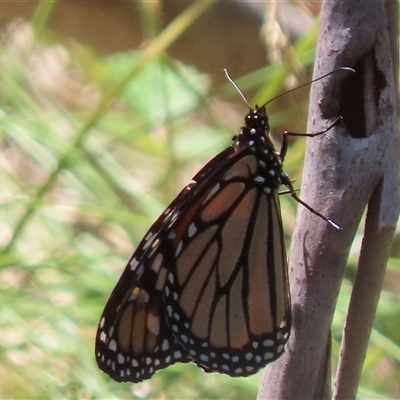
pixel 208 283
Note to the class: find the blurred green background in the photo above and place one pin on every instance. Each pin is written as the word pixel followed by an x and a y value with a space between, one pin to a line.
pixel 107 110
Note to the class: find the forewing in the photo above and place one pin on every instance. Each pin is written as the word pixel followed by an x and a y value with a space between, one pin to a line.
pixel 227 292
pixel 134 340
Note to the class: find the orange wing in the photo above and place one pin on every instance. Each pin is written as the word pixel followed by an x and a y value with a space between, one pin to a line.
pixel 208 283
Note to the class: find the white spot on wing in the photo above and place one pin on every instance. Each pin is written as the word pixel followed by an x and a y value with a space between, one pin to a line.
pixel 134 263
pixel 268 343
pixel 192 229
pixel 212 192
pixel 112 345
pixel 178 248
pixel 184 338
pixel 177 354
pixel 177 317
pixel 149 240
pixel 268 356
pixel 267 190
pixel 165 345
pixel 121 358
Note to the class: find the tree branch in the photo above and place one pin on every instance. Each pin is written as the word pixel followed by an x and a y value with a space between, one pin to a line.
pixel 352 166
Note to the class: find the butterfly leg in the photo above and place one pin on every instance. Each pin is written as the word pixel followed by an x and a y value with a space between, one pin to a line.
pixel 287 182
pixel 284 147
pixel 288 191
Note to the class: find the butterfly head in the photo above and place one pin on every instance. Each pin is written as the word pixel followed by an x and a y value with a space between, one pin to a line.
pixel 257 120
pixel 256 129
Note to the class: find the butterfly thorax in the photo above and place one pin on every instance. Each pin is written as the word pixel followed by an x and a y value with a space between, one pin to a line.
pixel 254 138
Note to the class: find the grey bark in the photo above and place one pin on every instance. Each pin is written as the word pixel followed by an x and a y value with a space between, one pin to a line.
pixel 351 168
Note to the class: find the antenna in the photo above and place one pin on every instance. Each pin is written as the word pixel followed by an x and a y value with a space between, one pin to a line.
pixel 236 87
pixel 309 83
pixel 348 69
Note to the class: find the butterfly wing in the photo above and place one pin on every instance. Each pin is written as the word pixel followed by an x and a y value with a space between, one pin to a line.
pixel 208 283
pixel 133 339
pixel 227 293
